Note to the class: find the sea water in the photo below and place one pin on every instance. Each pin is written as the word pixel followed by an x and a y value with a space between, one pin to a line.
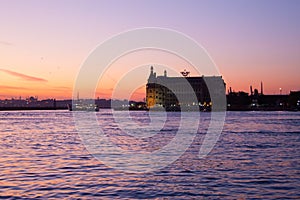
pixel 257 155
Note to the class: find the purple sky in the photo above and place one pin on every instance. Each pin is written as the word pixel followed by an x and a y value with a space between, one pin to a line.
pixel 250 41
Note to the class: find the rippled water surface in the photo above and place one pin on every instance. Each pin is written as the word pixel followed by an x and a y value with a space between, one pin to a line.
pixel 256 156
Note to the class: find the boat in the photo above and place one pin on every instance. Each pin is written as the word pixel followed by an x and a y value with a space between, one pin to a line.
pixel 80 106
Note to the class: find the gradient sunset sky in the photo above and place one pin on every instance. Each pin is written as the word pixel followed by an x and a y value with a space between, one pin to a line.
pixel 44 42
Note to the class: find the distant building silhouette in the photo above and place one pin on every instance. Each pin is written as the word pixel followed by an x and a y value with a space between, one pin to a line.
pixel 260 101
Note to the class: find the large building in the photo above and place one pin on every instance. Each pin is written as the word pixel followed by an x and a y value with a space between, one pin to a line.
pixel 173 93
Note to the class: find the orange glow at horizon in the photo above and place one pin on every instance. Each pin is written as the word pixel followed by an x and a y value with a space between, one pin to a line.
pixel 59 85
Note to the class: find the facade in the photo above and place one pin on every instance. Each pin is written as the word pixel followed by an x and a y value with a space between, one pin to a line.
pixel 174 92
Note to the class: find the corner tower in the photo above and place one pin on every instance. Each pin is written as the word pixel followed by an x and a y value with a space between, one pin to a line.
pixel 150 89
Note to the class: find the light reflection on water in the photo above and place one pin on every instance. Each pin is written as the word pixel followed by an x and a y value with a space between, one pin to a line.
pixel 257 156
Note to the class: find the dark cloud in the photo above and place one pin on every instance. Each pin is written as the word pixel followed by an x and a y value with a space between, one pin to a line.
pixel 3 87
pixel 23 76
pixel 6 43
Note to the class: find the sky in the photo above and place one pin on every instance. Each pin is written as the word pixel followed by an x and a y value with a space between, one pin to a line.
pixel 43 44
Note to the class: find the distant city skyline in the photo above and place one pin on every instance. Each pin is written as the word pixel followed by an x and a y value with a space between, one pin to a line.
pixel 44 43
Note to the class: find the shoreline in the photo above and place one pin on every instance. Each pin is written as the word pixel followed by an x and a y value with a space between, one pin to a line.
pixel 65 108
pixel 31 108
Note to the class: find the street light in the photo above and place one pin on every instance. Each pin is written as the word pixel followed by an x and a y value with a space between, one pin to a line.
pixel 280 90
